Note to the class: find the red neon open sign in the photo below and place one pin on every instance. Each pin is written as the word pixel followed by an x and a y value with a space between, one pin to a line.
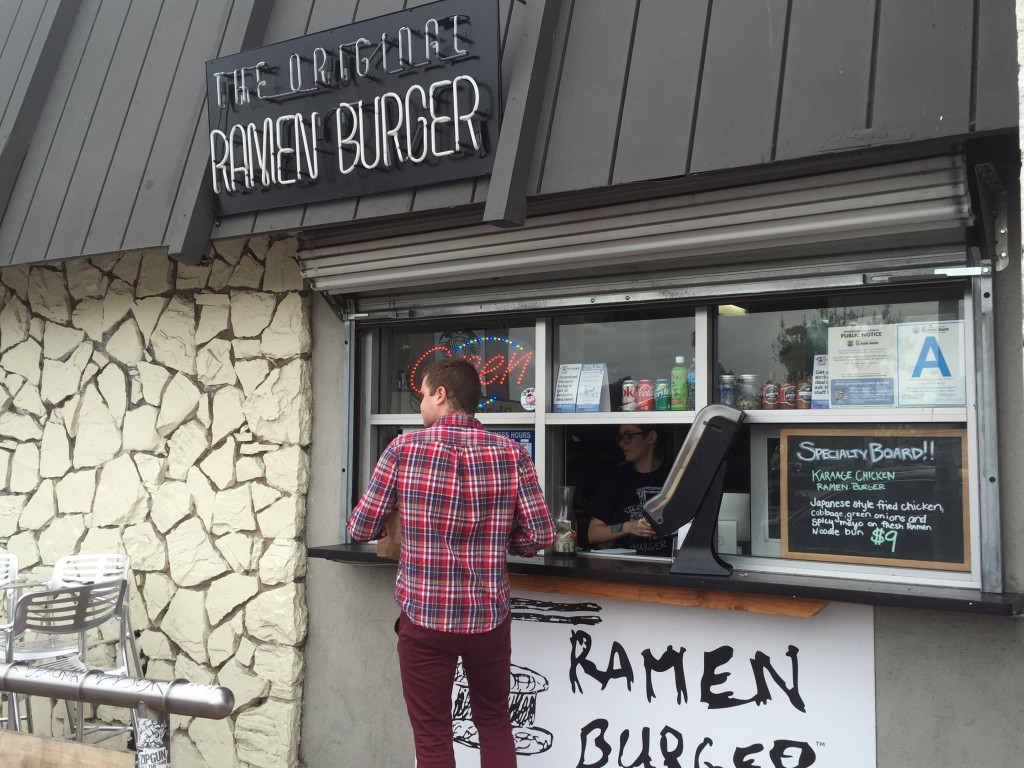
pixel 493 370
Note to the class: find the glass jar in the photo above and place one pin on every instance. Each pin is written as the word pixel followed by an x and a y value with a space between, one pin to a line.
pixel 565 521
pixel 748 397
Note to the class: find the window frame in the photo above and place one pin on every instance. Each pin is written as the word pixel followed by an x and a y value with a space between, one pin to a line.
pixel 984 546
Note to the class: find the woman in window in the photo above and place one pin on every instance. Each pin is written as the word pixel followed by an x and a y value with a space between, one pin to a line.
pixel 617 508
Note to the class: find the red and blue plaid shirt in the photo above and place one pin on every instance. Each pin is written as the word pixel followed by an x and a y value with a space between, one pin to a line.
pixel 467 498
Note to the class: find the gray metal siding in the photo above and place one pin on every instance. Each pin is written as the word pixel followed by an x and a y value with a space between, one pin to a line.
pixel 995 83
pixel 637 90
pixel 922 83
pixel 84 186
pixel 31 214
pixel 739 85
pixel 146 113
pixel 21 25
pixel 184 109
pixel 105 166
pixel 654 133
pixel 190 220
pixel 29 32
pixel 827 78
pixel 585 121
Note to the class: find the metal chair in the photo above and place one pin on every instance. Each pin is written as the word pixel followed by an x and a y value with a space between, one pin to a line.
pixel 89 568
pixel 8 579
pixel 48 629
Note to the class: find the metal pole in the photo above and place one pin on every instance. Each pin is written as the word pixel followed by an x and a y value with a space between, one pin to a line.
pixel 152 738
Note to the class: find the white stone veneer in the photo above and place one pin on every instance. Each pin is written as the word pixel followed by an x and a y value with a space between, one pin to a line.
pixel 163 410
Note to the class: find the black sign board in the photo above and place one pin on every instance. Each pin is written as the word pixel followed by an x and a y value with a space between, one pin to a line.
pixel 399 101
pixel 894 497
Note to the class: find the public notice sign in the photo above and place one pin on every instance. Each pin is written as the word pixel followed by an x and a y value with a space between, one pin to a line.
pixel 601 683
pixel 876 496
pixel 394 102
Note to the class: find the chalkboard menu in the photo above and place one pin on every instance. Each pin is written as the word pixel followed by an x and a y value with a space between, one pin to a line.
pixel 896 496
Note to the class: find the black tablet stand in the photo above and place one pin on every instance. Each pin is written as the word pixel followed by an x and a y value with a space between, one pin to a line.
pixel 693 491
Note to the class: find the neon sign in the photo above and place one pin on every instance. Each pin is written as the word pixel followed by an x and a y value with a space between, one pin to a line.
pixel 398 101
pixel 495 370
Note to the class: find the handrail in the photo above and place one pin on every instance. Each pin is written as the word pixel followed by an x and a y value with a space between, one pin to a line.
pixel 153 700
pixel 174 697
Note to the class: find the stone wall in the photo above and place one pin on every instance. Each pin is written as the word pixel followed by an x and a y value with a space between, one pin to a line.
pixel 164 410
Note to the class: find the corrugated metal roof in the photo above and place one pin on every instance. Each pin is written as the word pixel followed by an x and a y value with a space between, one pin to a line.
pixel 636 90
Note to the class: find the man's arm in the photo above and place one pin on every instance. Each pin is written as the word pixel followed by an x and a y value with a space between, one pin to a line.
pixel 532 528
pixel 370 515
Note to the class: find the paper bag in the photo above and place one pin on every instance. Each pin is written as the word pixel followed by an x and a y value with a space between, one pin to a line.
pixel 390 544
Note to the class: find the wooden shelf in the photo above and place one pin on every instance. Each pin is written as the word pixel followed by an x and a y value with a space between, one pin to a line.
pixel 649 593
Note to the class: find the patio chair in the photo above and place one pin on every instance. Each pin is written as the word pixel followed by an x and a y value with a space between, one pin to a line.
pixel 90 568
pixel 8 575
pixel 8 579
pixel 48 629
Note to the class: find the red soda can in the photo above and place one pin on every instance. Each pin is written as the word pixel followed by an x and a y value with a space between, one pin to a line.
pixel 645 395
pixel 629 395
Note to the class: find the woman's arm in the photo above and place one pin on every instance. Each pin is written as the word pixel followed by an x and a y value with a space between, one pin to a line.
pixel 601 532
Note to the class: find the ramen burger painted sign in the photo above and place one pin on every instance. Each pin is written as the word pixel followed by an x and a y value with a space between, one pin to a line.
pixel 399 101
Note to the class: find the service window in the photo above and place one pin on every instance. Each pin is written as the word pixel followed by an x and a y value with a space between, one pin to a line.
pixel 858 454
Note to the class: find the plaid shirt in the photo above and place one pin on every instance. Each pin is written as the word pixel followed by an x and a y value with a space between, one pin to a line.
pixel 467 497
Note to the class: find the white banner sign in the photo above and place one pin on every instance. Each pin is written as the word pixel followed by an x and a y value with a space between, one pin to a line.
pixel 613 683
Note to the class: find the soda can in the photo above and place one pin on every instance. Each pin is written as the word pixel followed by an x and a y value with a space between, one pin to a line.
pixel 661 395
pixel 645 395
pixel 629 395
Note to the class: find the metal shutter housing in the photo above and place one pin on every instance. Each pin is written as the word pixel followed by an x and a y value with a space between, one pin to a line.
pixel 883 217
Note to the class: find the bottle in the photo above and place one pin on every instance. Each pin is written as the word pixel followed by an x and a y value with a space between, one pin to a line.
pixel 787 393
pixel 803 390
pixel 770 394
pixel 691 387
pixel 678 385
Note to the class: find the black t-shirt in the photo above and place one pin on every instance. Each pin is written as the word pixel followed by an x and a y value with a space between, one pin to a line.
pixel 621 498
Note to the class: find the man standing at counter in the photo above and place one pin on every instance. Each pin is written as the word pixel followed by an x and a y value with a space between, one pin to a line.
pixel 466 497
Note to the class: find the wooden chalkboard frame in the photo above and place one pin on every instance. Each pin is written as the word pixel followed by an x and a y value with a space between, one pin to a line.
pixel 787 552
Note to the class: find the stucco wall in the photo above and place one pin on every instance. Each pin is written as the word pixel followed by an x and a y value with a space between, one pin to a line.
pixel 164 411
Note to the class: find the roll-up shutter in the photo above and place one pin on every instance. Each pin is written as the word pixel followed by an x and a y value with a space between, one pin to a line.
pixel 883 217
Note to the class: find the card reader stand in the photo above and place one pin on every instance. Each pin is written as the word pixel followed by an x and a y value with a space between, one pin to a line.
pixel 693 491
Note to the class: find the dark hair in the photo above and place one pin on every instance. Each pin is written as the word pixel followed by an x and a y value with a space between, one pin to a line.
pixel 460 380
pixel 660 447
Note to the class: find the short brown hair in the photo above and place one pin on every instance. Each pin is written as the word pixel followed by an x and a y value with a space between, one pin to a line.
pixel 459 379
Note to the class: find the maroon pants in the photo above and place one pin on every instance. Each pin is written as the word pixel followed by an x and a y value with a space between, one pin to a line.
pixel 428 659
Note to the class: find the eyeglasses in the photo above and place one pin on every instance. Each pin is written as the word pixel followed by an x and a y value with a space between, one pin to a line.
pixel 625 438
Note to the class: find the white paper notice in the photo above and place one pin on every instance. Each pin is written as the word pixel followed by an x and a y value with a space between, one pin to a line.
pixel 862 366
pixel 931 364
pixel 592 394
pixel 819 382
pixel 566 387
